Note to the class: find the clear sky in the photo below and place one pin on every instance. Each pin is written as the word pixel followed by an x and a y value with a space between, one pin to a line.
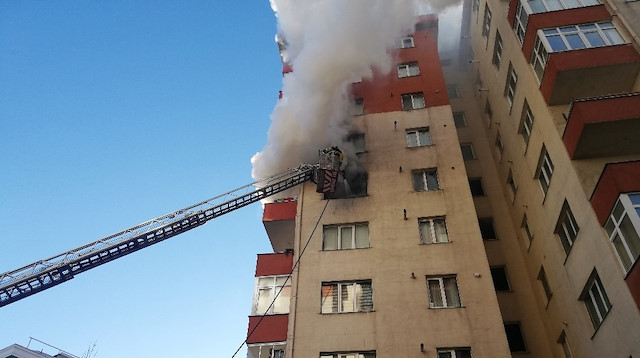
pixel 115 112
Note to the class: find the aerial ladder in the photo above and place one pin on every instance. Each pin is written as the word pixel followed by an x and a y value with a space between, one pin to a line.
pixel 43 274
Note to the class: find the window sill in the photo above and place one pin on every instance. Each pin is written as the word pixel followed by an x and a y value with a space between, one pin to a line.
pixel 433 243
pixel 341 313
pixel 338 250
pixel 445 308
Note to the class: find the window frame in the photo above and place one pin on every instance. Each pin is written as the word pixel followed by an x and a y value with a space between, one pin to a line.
pixel 339 230
pixel 454 351
pixel 506 278
pixel 481 186
pixel 415 98
pixel 341 285
pixel 357 108
pixel 358 141
pixel 471 151
pixel 358 354
pixel 511 86
pixel 568 226
pixel 613 227
pixel 432 222
pixel 488 220
pixel 486 21
pixel 460 116
pixel 442 292
pixel 417 132
pixel 275 347
pixel 521 334
pixel 452 91
pixel 512 184
pixel 546 287
pixel 544 171
pixel 521 21
pixel 498 47
pixel 274 289
pixel 411 43
pixel 589 297
pixel 405 69
pixel 526 123
pixel 425 180
pixel 564 343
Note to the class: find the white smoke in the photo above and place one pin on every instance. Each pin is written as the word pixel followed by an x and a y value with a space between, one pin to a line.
pixel 329 43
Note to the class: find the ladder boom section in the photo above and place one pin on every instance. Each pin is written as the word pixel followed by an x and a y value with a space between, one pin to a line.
pixel 43 274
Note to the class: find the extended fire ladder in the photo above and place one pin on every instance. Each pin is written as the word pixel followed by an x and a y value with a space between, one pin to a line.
pixel 43 274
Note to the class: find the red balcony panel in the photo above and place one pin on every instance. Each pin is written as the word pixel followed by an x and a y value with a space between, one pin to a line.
pixel 589 73
pixel 279 222
pixel 546 20
pixel 280 211
pixel 274 264
pixel 273 328
pixel 286 68
pixel 616 178
pixel 633 281
pixel 603 126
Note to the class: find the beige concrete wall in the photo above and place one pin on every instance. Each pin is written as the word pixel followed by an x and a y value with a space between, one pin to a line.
pixel 402 319
pixel 573 181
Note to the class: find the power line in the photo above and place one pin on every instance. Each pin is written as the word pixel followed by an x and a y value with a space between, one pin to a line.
pixel 285 281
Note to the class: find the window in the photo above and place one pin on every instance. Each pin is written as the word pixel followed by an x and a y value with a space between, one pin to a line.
pixel 566 349
pixel 542 277
pixel 443 292
pixel 512 184
pixel 349 355
pixel 266 290
pixel 514 337
pixel 357 140
pixel 488 110
pixel 408 70
pixel 454 353
pixel 525 227
pixel 486 229
pixel 497 50
pixel 500 280
pixel 595 299
pixel 425 179
pixel 545 170
pixel 452 91
pixel 499 146
pixel 476 187
pixel 538 6
pixel 418 137
pixel 526 122
pixel 266 350
pixel 459 120
pixel 476 5
pixel 407 42
pixel 343 297
pixel 520 23
pixel 510 87
pixel 358 107
pixel 412 101
pixel 567 228
pixel 486 22
pixel 623 226
pixel 467 151
pixel 539 58
pixel 345 237
pixel 433 230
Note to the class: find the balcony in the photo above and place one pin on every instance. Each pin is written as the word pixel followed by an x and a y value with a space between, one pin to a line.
pixel 273 328
pixel 616 178
pixel 279 222
pixel 589 72
pixel 274 264
pixel 603 126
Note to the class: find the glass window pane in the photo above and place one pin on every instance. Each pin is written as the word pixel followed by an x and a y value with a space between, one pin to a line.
pixel 330 238
pixel 451 291
pixel 536 6
pixel 554 5
pixel 631 237
pixel 425 232
pixel 412 140
pixel 281 304
pixel 609 226
pixel 346 237
pixel 432 180
pixel 435 296
pixel 556 43
pixel 613 36
pixel 622 253
pixel 264 300
pixel 346 297
pixel 362 236
pixel 571 3
pixel 587 27
pixel 594 39
pixel 575 42
pixel 440 230
pixel 418 181
pixel 265 282
pixel 444 355
pixel 635 199
pixel 407 103
pixel 618 211
pixel 425 137
pixel 463 353
pixel 365 297
pixel 280 281
pixel 329 298
pixel 418 101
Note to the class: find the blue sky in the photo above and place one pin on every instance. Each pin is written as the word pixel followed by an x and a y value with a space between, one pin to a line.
pixel 115 112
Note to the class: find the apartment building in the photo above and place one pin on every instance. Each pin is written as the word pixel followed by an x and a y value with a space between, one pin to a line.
pixel 498 215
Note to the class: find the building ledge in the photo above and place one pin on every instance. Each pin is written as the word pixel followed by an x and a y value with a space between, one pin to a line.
pixel 603 126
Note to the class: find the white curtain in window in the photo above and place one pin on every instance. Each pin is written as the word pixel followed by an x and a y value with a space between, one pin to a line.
pixel 362 236
pixel 440 230
pixel 435 295
pixel 451 291
pixel 330 238
pixel 346 237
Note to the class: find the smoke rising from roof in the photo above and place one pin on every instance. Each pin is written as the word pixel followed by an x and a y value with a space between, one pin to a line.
pixel 329 44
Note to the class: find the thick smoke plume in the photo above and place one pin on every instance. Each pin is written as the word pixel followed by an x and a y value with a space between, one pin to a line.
pixel 329 44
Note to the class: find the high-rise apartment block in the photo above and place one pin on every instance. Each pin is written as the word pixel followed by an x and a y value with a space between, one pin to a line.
pixel 499 212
